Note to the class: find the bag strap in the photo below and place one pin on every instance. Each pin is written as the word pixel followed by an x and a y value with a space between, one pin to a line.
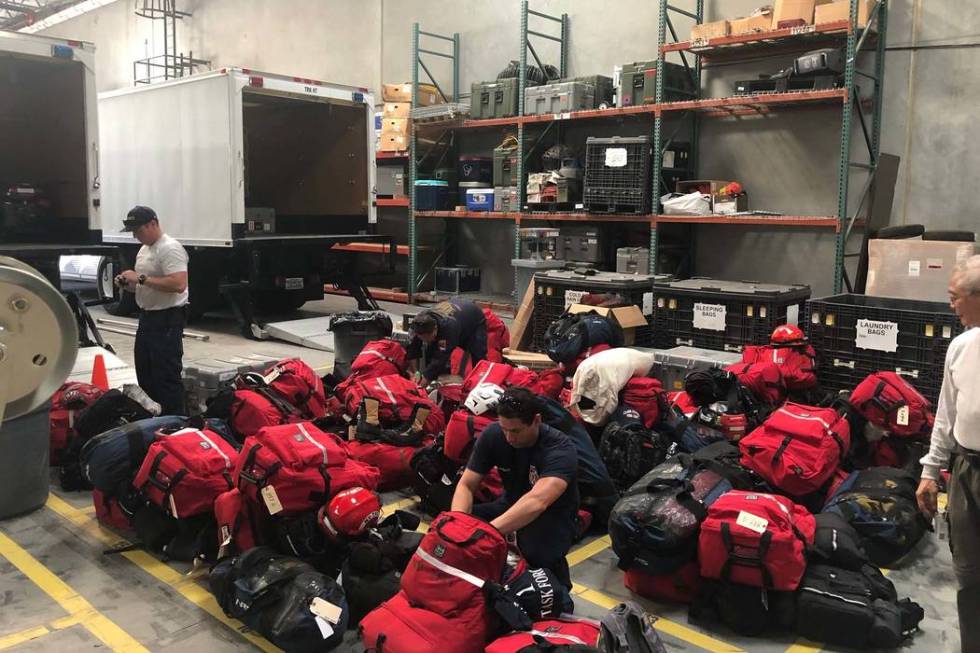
pixel 449 569
pixel 912 613
pixel 757 561
pixel 476 535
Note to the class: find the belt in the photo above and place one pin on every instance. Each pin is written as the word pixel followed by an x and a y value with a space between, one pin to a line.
pixel 970 455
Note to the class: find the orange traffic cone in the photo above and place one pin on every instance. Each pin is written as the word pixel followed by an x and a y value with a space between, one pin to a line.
pixel 100 378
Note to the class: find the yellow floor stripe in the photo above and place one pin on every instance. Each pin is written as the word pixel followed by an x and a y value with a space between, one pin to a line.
pixel 680 631
pixel 583 553
pixel 186 586
pixel 98 624
pixel 16 639
pixel 390 508
pixel 804 646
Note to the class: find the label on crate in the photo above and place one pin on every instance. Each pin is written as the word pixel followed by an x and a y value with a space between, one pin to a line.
pixel 914 268
pixel 648 303
pixel 574 297
pixel 709 316
pixel 793 314
pixel 616 157
pixel 877 334
pixel 668 161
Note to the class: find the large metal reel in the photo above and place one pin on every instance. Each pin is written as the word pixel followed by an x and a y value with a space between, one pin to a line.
pixel 38 339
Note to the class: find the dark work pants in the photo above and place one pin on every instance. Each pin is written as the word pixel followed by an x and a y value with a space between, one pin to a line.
pixel 963 510
pixel 159 352
pixel 544 542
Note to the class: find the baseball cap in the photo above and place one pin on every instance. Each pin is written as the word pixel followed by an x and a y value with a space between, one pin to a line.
pixel 137 217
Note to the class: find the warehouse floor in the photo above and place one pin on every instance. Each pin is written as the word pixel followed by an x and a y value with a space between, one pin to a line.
pixel 59 591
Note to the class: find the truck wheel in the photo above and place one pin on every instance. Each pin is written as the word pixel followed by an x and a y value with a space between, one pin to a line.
pixel 125 307
pixel 104 280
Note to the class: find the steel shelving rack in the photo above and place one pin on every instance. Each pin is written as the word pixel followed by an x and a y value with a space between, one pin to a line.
pixel 855 40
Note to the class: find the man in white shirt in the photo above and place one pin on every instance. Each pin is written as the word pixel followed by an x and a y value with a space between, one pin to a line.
pixel 160 283
pixel 956 440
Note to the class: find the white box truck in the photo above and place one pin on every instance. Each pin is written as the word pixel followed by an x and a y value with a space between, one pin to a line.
pixel 258 175
pixel 49 154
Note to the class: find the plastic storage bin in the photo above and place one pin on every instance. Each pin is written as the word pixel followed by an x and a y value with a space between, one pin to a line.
pixel 205 377
pixel 475 169
pixel 24 443
pixel 431 195
pixel 856 335
pixel 673 365
pixel 505 161
pixel 351 331
pixel 457 279
pixel 479 199
pixel 633 260
pixel 617 174
pixel 603 86
pixel 505 198
pixel 723 315
pixel 560 97
pixel 556 290
pixel 639 83
pixel 496 99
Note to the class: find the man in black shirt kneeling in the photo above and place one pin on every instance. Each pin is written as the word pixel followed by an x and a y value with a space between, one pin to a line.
pixel 538 465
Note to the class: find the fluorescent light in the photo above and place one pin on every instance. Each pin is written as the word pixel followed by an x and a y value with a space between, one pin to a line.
pixel 73 11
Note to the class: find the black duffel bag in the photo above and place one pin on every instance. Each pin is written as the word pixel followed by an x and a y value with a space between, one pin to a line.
pixel 629 451
pixel 284 599
pixel 573 333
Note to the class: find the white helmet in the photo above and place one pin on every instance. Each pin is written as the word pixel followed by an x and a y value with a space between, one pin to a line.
pixel 483 397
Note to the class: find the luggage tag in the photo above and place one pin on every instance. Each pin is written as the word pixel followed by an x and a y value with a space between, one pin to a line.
pixel 902 417
pixel 173 507
pixel 752 522
pixel 325 610
pixel 271 500
pixel 225 541
pixel 940 522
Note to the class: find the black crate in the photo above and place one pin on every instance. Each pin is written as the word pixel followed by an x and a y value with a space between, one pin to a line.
pixel 617 181
pixel 457 279
pixel 751 311
pixel 924 331
pixel 550 299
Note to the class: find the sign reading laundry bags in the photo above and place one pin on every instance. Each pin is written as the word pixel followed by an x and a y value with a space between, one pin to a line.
pixel 877 334
pixel 709 316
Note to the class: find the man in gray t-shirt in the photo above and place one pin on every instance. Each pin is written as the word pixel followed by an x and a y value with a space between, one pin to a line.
pixel 160 283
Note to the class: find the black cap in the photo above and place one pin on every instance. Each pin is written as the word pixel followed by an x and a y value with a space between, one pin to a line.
pixel 137 217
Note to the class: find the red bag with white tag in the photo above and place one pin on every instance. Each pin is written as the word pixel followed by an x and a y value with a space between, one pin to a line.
pixel 237 523
pixel 501 374
pixel 890 402
pixel 185 471
pixel 756 539
pixel 763 379
pixel 398 626
pixel 290 468
pixel 300 385
pixel 392 462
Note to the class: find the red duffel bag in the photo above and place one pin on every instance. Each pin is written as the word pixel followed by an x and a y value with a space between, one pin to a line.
pixel 561 632
pixel 392 462
pixel 550 383
pixel 890 402
pixel 448 571
pixel 645 396
pixel 379 358
pixel 185 471
pixel 763 379
pixel 500 374
pixel 237 523
pixel 290 468
pixel 680 586
pixel 398 400
pixel 397 626
pixel 798 448
pixel 70 399
pixel 797 363
pixel 461 432
pixel 755 539
pixel 109 513
pixel 300 385
pixel 498 337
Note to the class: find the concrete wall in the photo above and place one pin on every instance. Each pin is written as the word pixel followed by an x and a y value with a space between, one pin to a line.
pixel 788 162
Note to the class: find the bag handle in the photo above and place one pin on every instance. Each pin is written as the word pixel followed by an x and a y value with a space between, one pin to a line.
pixel 477 534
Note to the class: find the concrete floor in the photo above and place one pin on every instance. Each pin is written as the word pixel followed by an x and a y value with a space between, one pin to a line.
pixel 59 591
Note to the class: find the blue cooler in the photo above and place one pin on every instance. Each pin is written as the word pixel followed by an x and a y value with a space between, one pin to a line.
pixel 431 195
pixel 479 199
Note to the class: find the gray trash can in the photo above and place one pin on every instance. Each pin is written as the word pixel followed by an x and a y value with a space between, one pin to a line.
pixel 24 443
pixel 351 331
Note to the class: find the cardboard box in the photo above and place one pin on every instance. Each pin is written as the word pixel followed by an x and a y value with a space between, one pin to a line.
pixel 759 21
pixel 627 317
pixel 403 93
pixel 712 30
pixel 705 186
pixel 794 13
pixel 395 125
pixel 396 110
pixel 393 142
pixel 837 11
pixel 914 269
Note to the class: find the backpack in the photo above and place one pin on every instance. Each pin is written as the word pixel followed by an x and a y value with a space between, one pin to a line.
pixel 854 608
pixel 112 409
pixel 372 572
pixel 646 396
pixel 571 634
pixel 837 543
pixel 462 430
pixel 880 504
pixel 501 374
pixel 763 379
pixel 434 479
pixel 399 626
pixel 295 468
pixel 398 399
pixel 798 363
pixel 798 448
pixel 550 383
pixel 707 386
pixel 573 333
pixel 654 527
pixel 285 600
pixel 680 586
pixel 393 461
pixel 890 402
pixel 252 406
pixel 627 628
pixel 70 399
pixel 110 460
pixel 451 567
pixel 746 609
pixel 498 336
pixel 300 385
pixel 629 451
pixel 237 523
pixel 755 539
pixel 379 358
pixel 185 471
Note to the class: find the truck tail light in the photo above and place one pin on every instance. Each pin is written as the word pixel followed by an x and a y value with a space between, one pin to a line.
pixel 256 81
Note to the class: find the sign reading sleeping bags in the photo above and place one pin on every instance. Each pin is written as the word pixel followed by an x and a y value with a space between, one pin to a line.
pixel 879 335
pixel 709 316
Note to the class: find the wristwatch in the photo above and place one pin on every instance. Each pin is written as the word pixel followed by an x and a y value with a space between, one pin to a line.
pixel 141 280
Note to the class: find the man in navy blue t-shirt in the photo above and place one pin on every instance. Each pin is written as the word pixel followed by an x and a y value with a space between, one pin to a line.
pixel 538 465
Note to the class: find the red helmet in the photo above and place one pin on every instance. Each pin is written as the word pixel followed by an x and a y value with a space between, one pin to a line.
pixel 787 334
pixel 350 513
